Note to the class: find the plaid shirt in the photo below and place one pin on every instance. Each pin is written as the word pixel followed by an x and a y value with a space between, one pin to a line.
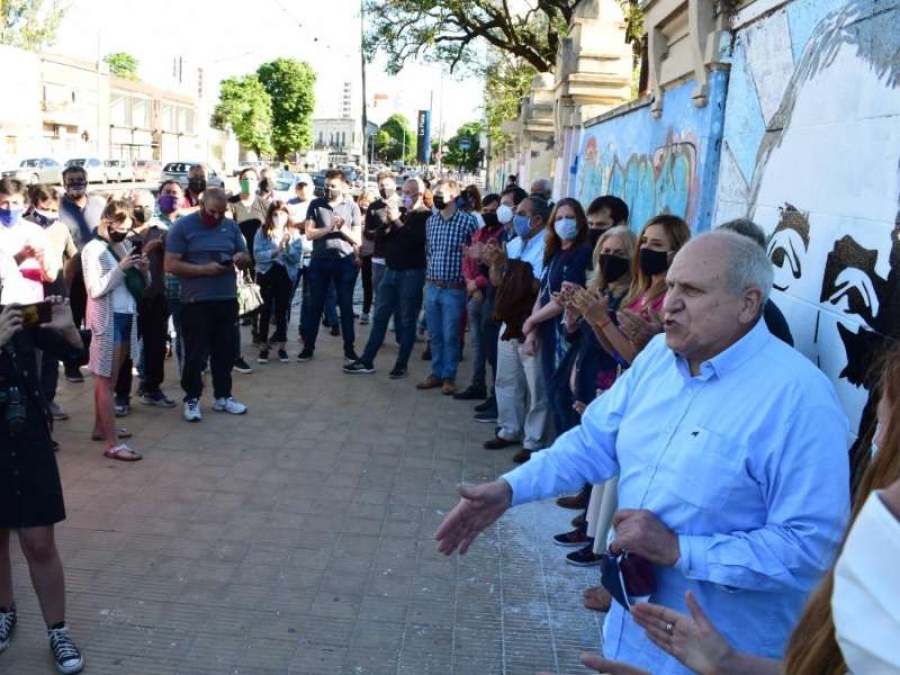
pixel 444 243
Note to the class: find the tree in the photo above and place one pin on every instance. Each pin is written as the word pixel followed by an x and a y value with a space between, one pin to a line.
pixel 450 30
pixel 291 88
pixel 29 24
pixel 122 64
pixel 464 149
pixel 246 109
pixel 506 84
pixel 395 140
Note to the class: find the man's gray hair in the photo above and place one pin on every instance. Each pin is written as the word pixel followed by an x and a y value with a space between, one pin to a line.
pixel 746 227
pixel 748 267
pixel 214 194
pixel 139 193
pixel 420 184
pixel 543 186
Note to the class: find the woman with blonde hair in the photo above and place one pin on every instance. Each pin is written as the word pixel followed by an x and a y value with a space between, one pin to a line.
pixel 115 278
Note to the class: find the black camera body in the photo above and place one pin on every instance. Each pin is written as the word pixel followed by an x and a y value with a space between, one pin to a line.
pixel 15 410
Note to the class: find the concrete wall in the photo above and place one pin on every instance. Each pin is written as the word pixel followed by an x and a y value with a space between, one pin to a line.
pixel 666 164
pixel 811 152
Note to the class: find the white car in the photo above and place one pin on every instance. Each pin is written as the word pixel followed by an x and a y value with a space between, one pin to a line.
pixel 119 170
pixel 38 170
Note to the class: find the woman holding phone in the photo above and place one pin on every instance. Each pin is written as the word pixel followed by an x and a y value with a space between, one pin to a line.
pixel 115 278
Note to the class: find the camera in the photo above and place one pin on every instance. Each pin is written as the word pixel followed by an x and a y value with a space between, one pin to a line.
pixel 16 412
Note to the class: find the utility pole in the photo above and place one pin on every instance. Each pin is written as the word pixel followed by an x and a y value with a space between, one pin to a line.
pixel 362 64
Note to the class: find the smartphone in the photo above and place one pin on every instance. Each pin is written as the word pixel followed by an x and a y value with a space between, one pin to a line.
pixel 36 313
pixel 137 247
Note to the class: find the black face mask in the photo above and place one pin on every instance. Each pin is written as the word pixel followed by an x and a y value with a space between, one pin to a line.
pixel 140 214
pixel 613 267
pixel 490 220
pixel 386 194
pixel 653 262
pixel 439 203
pixel 117 237
pixel 594 236
pixel 264 186
pixel 196 185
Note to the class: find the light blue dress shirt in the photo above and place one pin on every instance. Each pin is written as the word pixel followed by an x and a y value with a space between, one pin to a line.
pixel 531 251
pixel 747 463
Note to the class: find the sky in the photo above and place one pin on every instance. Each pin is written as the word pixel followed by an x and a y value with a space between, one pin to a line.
pixel 228 37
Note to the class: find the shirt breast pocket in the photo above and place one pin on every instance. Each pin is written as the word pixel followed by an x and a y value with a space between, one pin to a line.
pixel 708 467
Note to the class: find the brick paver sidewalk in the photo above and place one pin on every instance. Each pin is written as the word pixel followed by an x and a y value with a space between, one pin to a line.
pixel 298 539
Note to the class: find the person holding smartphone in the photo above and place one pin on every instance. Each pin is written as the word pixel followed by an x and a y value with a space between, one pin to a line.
pixel 115 278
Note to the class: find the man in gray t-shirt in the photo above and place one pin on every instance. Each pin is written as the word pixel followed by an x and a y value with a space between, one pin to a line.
pixel 203 249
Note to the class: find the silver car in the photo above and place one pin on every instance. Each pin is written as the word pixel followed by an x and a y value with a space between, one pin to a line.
pixel 38 170
pixel 119 170
pixel 93 167
pixel 178 171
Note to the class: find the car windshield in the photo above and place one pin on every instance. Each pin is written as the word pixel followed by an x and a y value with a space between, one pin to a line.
pixel 283 184
pixel 28 163
pixel 110 162
pixel 75 162
pixel 178 167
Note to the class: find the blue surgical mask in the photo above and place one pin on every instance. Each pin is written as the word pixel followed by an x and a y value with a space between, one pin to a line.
pixel 566 228
pixel 521 225
pixel 10 217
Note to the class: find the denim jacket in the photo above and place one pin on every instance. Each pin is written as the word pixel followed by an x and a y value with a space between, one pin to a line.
pixel 264 253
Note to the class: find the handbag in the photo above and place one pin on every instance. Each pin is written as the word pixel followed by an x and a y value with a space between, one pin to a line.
pixel 249 296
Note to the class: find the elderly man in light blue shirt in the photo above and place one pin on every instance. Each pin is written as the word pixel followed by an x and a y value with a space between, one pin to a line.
pixel 731 452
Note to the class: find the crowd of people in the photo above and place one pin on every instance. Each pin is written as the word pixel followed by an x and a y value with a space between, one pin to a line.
pixel 606 358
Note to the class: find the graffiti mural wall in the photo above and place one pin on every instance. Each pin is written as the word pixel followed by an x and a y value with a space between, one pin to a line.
pixel 812 153
pixel 665 165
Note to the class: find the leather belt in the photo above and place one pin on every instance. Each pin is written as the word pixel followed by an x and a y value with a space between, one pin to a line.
pixel 437 283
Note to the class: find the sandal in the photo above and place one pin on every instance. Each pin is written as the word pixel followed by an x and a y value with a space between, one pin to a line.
pixel 123 433
pixel 122 452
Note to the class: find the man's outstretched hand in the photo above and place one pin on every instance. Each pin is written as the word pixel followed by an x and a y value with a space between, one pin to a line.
pixel 479 507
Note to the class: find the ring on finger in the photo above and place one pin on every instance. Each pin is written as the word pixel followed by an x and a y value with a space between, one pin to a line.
pixel 670 628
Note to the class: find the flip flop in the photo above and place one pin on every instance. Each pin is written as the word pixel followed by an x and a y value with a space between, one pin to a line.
pixel 123 434
pixel 122 452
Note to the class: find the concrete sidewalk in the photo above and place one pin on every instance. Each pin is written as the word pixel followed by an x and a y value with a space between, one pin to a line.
pixel 299 538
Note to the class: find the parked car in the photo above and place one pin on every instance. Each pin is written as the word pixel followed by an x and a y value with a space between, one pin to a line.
pixel 179 171
pixel 96 171
pixel 319 184
pixel 147 170
pixel 119 170
pixel 285 185
pixel 39 170
pixel 259 166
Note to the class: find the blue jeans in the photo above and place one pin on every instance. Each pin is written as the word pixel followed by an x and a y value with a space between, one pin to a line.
pixel 399 293
pixel 325 272
pixel 444 309
pixel 475 309
pixel 331 312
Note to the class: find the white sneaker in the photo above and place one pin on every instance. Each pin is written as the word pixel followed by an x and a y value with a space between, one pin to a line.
pixel 192 410
pixel 229 405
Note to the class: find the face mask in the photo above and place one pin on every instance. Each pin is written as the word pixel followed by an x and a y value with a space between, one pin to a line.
pixel 332 194
pixel 196 185
pixel 208 219
pixel 490 220
pixel 653 262
pixel 566 228
pixel 140 214
pixel 440 203
pixel 76 188
pixel 863 605
pixel 613 267
pixel 279 219
pixel 264 186
pixel 521 225
pixel 505 213
pixel 408 202
pixel 117 237
pixel 248 187
pixel 463 202
pixel 45 218
pixel 10 217
pixel 386 194
pixel 594 236
pixel 168 203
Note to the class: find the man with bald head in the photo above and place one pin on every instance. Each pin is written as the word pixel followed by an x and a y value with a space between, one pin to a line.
pixel 204 249
pixel 731 453
pixel 543 188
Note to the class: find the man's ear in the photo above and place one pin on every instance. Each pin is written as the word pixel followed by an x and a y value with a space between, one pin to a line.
pixel 751 305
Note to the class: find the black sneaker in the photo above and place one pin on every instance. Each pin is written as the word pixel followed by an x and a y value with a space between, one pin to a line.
pixel 73 374
pixel 7 624
pixel 489 404
pixel 283 356
pixel 351 355
pixel 242 366
pixel 584 557
pixel 398 373
pixel 473 393
pixel 68 658
pixel 336 330
pixel 358 368
pixel 305 355
pixel 486 417
pixel 573 538
pixel 263 356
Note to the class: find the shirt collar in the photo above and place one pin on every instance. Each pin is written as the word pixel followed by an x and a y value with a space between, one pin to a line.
pixel 733 357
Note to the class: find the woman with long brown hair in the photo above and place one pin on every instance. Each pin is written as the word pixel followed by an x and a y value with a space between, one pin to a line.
pixel 813 648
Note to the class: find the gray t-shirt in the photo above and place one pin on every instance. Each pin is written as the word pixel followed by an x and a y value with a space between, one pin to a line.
pixel 199 244
pixel 338 244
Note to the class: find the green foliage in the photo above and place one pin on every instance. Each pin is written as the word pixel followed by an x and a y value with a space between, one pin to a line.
pixel 246 108
pixel 457 31
pixel 291 88
pixel 464 149
pixel 29 24
pixel 122 64
pixel 507 83
pixel 395 140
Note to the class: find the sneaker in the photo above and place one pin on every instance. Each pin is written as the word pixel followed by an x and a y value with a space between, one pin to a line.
pixel 242 366
pixel 305 355
pixel 471 393
pixel 141 390
pixel 584 557
pixel 489 404
pixel 192 410
pixel 7 624
pixel 73 374
pixel 68 658
pixel 351 355
pixel 263 356
pixel 573 538
pixel 364 319
pixel 398 373
pixel 283 356
pixel 157 398
pixel 57 412
pixel 359 368
pixel 336 330
pixel 229 405
pixel 486 417
pixel 122 408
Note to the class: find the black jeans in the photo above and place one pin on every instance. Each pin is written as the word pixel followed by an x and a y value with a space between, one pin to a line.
pixel 208 328
pixel 276 288
pixel 153 327
pixel 365 269
pixel 324 272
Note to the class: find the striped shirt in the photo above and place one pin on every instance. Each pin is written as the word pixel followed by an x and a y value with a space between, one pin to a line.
pixel 445 242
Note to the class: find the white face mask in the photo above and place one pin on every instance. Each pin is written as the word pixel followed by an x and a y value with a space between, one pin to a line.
pixel 866 587
pixel 505 214
pixel 280 220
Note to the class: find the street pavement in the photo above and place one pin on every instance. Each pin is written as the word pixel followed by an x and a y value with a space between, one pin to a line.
pixel 299 538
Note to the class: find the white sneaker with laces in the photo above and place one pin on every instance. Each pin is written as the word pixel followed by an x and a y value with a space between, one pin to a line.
pixel 229 405
pixel 192 410
pixel 67 656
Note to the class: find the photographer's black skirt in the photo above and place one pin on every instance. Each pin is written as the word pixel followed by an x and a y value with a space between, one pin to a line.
pixel 30 489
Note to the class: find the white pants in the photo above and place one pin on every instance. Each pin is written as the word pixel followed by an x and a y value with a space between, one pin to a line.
pixel 601 508
pixel 522 407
